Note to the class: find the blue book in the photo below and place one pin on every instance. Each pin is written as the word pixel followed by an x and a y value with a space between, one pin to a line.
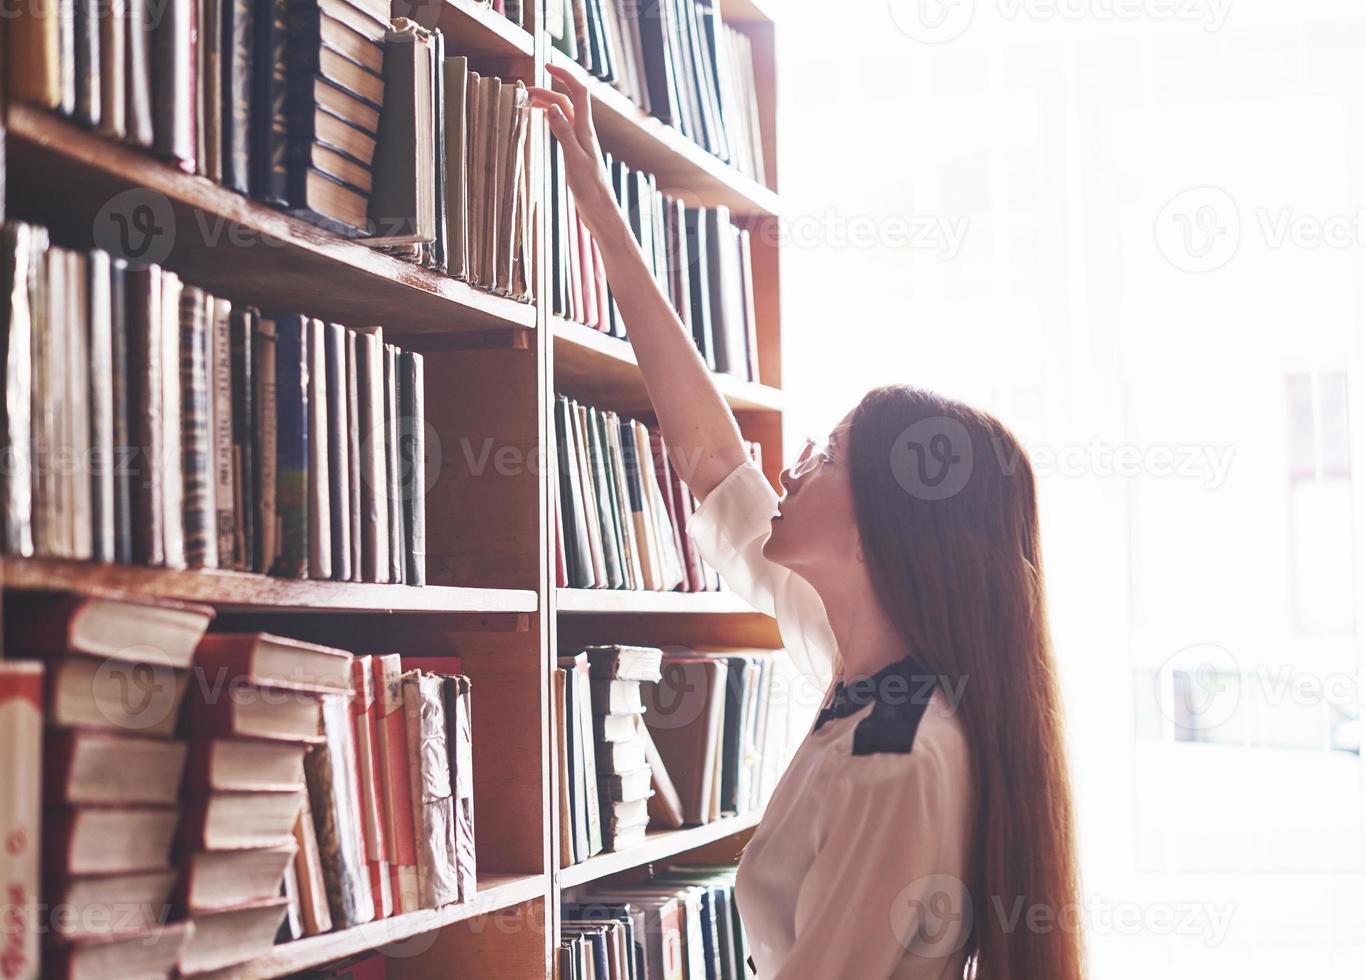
pixel 291 453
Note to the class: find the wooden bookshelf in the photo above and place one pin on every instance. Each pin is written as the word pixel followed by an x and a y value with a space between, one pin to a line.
pixel 592 361
pixel 230 244
pixel 496 893
pixel 659 846
pixel 493 368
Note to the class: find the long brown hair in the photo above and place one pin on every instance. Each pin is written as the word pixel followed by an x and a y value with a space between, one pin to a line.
pixel 948 518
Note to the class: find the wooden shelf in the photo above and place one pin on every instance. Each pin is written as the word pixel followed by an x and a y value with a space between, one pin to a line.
pixel 243 591
pixel 496 892
pixel 62 176
pixel 599 367
pixel 476 29
pixel 598 601
pixel 682 167
pixel 658 846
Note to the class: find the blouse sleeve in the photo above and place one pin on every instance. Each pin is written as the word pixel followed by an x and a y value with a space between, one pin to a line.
pixel 729 529
pixel 885 894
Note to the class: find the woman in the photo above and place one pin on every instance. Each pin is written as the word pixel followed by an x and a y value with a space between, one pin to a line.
pixel 923 828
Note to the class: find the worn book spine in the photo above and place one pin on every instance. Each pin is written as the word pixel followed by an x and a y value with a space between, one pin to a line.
pixel 456 72
pixel 412 446
pixel 21 772
pixel 291 395
pixel 353 453
pixel 113 28
pixel 397 566
pixel 429 772
pixel 75 375
pixel 463 790
pixel 122 461
pixel 99 343
pixel 46 398
pixel 238 86
pixel 374 481
pixel 221 417
pixel 138 97
pixel 338 450
pixel 395 781
pixel 173 93
pixel 332 794
pixel 18 393
pixel 265 445
pixel 87 64
pixel 241 330
pixel 270 116
pixel 172 482
pixel 319 494
pixel 369 794
pixel 201 540
pixel 144 415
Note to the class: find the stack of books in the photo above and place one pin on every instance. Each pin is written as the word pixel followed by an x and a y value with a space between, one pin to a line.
pixel 678 61
pixel 320 115
pixel 453 171
pixel 623 511
pixel 683 922
pixel 603 752
pixel 331 110
pixel 276 443
pixel 117 671
pixel 700 257
pixel 255 706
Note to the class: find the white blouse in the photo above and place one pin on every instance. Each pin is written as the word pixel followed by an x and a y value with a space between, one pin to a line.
pixel 857 867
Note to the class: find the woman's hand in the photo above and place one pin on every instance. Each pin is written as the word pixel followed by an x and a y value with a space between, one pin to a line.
pixel 570 119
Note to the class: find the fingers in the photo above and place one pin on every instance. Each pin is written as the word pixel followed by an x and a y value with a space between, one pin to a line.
pixel 582 104
pixel 544 98
pixel 560 126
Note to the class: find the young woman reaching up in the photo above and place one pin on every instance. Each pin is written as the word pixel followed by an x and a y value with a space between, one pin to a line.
pixel 924 828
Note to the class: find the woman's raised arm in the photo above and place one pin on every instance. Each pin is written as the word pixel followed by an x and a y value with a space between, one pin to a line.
pixel 697 424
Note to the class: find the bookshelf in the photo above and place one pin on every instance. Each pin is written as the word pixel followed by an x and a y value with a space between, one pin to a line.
pixel 493 367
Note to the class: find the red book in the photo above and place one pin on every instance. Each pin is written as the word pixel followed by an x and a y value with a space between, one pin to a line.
pixel 272 661
pixel 126 628
pixel 21 773
pixel 393 781
pixel 365 725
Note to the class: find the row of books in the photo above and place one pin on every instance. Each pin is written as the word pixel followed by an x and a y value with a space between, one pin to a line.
pixel 649 740
pixel 205 795
pixel 682 922
pixel 453 166
pixel 701 259
pixel 150 422
pixel 623 511
pixel 329 109
pixel 677 60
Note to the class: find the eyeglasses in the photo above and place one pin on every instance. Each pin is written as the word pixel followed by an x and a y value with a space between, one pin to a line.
pixel 812 457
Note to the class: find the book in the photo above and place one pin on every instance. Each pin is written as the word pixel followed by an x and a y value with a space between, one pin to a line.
pixel 131 629
pixel 264 446
pixel 103 768
pixel 153 953
pixel 374 481
pixel 173 93
pixel 338 450
pixel 228 821
pixel 227 502
pixel 395 781
pixel 242 327
pixel 21 760
pixel 225 937
pixel 244 765
pixel 364 723
pixel 114 695
pixel 319 496
pixel 199 513
pixel 314 912
pixel 17 259
pixel 108 840
pixel 265 660
pixel 292 361
pixel 432 794
pixel 412 465
pixel 104 906
pixel 336 808
pixel 253 713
